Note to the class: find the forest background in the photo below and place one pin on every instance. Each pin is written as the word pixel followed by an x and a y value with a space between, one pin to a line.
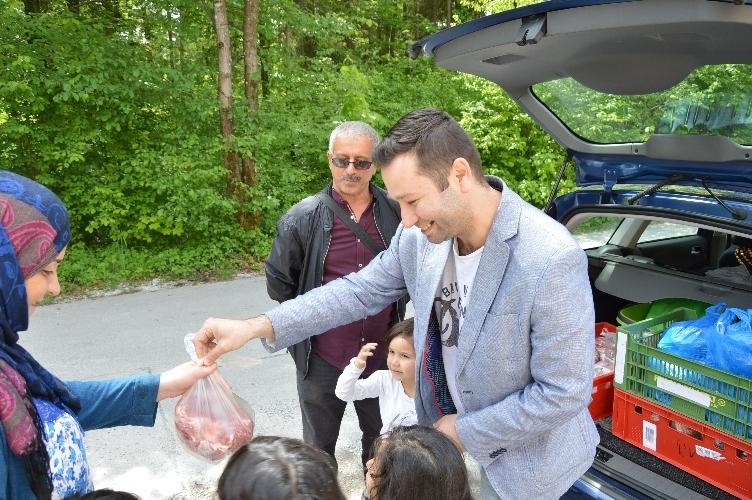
pixel 178 131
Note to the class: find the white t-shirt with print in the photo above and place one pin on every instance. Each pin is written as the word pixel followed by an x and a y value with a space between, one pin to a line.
pixel 450 305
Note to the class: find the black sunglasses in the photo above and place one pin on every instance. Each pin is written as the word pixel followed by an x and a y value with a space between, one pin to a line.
pixel 345 162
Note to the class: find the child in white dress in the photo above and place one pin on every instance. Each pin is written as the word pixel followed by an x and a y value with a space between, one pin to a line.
pixel 394 387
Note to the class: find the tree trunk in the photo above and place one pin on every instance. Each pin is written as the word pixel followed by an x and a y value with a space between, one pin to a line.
pixel 171 39
pixel 222 29
pixel 182 28
pixel 448 13
pixel 251 64
pixel 263 43
pixel 35 6
pixel 250 53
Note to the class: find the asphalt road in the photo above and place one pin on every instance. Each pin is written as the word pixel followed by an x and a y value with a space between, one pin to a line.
pixel 115 336
pixel 120 335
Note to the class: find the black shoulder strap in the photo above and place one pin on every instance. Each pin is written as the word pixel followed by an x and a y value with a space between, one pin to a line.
pixel 349 222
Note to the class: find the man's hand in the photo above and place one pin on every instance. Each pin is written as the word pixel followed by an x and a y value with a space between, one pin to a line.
pixel 218 336
pixel 365 352
pixel 448 425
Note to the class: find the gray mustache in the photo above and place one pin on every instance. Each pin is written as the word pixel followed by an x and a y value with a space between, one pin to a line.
pixel 350 178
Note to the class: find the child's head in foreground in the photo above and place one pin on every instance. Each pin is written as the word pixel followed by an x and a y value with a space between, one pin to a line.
pixel 416 462
pixel 279 468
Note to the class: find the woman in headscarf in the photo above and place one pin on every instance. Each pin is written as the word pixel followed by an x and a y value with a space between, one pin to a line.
pixel 42 451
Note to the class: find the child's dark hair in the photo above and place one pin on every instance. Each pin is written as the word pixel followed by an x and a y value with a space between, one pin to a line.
pixel 105 494
pixel 419 463
pixel 279 468
pixel 402 328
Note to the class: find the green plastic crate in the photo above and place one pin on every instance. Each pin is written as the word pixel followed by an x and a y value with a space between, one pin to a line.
pixel 633 314
pixel 715 397
pixel 647 310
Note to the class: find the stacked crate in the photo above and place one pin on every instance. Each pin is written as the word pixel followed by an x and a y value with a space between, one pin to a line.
pixel 601 404
pixel 693 416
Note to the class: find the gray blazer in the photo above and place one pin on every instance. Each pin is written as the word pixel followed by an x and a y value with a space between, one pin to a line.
pixel 526 348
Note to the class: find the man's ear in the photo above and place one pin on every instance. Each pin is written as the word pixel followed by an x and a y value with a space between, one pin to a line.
pixel 460 170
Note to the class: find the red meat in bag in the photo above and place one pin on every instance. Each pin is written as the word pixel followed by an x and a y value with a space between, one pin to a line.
pixel 211 420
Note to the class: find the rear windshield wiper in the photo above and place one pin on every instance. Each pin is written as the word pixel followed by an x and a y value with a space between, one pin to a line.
pixel 736 213
pixel 672 179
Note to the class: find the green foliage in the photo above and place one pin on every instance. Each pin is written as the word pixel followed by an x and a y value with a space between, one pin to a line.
pixel 114 107
pixel 494 6
pixel 99 128
pixel 511 145
pixel 596 224
pixel 403 85
pixel 116 266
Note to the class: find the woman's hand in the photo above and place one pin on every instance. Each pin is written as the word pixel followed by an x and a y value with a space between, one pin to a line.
pixel 176 381
pixel 365 352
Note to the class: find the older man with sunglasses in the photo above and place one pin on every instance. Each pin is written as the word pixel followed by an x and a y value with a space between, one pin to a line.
pixel 321 238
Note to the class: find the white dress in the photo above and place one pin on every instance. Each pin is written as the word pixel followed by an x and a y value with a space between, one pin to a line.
pixel 396 407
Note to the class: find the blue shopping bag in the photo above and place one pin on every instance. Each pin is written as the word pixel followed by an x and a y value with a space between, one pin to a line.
pixel 730 344
pixel 688 339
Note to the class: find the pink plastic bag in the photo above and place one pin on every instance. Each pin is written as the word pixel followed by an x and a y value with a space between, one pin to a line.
pixel 211 420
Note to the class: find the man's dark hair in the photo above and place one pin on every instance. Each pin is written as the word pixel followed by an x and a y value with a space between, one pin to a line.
pixel 435 139
pixel 279 468
pixel 402 329
pixel 419 463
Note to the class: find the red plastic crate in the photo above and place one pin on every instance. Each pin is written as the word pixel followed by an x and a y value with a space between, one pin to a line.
pixel 701 450
pixel 603 385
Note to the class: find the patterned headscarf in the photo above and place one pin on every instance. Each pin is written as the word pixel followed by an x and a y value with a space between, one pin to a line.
pixel 34 229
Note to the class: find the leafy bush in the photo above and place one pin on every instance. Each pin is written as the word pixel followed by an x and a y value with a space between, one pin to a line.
pixel 114 108
pixel 511 145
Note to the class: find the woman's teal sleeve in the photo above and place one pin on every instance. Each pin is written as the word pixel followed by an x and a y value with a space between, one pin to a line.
pixel 122 401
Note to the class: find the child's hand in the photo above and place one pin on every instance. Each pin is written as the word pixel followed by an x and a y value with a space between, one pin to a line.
pixel 365 352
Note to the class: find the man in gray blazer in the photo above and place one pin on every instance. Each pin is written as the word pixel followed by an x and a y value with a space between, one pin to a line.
pixel 503 312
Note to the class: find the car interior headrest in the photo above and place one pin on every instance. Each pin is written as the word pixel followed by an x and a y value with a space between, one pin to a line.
pixel 741 241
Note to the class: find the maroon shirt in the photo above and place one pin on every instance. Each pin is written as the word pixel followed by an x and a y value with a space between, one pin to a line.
pixel 348 254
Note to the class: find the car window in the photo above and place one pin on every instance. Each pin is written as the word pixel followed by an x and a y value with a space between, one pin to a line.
pixel 598 231
pixel 663 230
pixel 711 100
pixel 595 231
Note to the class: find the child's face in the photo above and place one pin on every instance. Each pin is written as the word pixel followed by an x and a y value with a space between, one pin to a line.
pixel 401 359
pixel 370 469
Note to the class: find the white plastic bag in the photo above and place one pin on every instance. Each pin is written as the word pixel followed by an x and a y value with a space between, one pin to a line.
pixel 212 421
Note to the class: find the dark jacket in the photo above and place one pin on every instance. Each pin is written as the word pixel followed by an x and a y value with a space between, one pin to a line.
pixel 296 262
